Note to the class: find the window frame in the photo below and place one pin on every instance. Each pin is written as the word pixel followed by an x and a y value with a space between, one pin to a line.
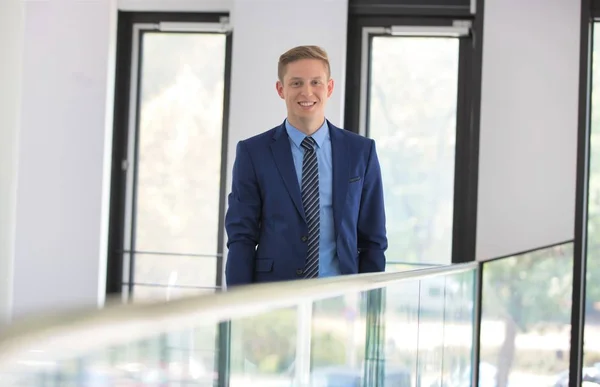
pixel 418 8
pixel 361 29
pixel 590 14
pixel 131 26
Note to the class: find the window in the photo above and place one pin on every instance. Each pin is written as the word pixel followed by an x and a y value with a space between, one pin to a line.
pixel 591 359
pixel 169 158
pixel 412 94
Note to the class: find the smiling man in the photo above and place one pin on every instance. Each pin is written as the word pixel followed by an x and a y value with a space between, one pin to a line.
pixel 306 199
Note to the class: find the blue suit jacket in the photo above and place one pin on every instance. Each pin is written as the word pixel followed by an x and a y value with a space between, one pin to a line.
pixel 265 221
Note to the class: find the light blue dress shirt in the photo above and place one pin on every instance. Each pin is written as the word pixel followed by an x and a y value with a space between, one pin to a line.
pixel 328 260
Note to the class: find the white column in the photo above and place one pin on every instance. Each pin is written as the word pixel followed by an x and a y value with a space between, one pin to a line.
pixel 11 46
pixel 528 148
pixel 64 150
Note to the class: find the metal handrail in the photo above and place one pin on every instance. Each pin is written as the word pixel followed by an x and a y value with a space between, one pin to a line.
pixel 74 333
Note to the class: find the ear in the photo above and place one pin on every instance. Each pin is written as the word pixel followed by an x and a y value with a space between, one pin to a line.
pixel 279 88
pixel 330 85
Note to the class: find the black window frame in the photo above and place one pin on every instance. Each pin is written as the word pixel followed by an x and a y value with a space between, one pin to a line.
pixel 116 241
pixel 590 13
pixel 418 8
pixel 404 13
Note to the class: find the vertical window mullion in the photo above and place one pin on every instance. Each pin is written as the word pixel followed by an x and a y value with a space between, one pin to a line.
pixel 130 163
pixel 223 344
pixel 465 172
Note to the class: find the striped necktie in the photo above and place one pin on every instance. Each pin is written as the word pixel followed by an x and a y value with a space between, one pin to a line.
pixel 310 201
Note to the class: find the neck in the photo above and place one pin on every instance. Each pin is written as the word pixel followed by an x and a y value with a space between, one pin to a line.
pixel 306 126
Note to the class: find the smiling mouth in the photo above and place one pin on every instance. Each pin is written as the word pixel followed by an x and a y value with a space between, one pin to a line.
pixel 307 104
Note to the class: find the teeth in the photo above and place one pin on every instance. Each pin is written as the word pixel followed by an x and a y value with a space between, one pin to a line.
pixel 307 103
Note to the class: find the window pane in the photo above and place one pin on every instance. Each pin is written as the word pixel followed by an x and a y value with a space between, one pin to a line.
pixel 174 270
pixel 180 133
pixel 592 308
pixel 144 293
pixel 412 116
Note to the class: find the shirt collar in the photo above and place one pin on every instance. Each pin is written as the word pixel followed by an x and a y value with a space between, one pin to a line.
pixel 297 136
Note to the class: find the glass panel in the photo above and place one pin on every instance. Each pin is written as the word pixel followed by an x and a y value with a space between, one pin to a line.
pixel 338 341
pixel 175 270
pixel 402 327
pixel 412 116
pixel 180 134
pixel 458 330
pixel 592 308
pixel 526 311
pixel 263 349
pixel 432 299
pixel 172 359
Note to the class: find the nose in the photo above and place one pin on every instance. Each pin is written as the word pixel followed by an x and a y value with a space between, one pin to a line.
pixel 307 90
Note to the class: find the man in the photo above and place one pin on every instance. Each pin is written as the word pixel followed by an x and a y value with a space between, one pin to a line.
pixel 306 198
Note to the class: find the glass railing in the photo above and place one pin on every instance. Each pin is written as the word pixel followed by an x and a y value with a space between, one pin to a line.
pixel 525 320
pixel 411 328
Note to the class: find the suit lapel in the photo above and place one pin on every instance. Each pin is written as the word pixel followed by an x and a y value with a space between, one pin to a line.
pixel 341 170
pixel 285 164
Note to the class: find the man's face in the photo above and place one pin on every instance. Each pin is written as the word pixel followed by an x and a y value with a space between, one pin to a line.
pixel 305 89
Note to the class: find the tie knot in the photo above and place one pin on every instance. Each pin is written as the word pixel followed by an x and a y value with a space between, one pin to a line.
pixel 308 143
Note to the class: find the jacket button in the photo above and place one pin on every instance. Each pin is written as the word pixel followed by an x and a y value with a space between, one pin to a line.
pixel 299 271
pixel 304 238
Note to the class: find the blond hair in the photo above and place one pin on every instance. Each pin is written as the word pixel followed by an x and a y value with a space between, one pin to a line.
pixel 302 52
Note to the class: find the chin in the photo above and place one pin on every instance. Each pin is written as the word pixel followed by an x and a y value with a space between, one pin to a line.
pixel 309 113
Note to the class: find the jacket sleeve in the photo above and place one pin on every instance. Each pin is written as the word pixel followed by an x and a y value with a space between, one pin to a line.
pixel 242 221
pixel 371 233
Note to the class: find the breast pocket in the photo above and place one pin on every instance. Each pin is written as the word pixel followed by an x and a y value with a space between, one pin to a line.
pixel 355 185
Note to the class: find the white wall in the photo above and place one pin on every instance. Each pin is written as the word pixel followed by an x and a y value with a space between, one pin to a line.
pixel 528 148
pixel 11 42
pixel 62 153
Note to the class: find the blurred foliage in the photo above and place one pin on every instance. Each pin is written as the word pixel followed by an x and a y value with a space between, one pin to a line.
pixel 412 117
pixel 593 248
pixel 531 289
pixel 268 343
pixel 179 157
pixel 528 292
